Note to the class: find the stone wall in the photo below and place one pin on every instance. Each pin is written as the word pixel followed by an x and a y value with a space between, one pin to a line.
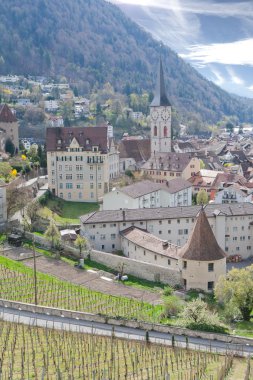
pixel 123 322
pixel 135 268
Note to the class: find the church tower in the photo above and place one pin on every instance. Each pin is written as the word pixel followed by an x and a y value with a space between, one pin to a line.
pixel 160 114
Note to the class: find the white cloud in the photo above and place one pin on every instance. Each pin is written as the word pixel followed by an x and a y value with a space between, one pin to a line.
pixel 236 9
pixel 250 88
pixel 232 53
pixel 234 78
pixel 219 80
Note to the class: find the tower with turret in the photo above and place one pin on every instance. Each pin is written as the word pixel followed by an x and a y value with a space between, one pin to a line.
pixel 160 115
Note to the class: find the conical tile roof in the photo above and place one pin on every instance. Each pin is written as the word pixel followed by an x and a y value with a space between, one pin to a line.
pixel 202 244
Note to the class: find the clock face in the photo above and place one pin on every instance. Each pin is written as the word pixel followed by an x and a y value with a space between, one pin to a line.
pixel 154 115
pixel 165 114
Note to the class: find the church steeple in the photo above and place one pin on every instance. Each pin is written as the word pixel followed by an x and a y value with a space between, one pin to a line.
pixel 160 98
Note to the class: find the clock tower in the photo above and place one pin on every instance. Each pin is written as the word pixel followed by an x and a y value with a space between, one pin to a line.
pixel 160 115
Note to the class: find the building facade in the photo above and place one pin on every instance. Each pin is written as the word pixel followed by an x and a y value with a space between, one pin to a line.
pixel 81 162
pixel 232 225
pixel 148 194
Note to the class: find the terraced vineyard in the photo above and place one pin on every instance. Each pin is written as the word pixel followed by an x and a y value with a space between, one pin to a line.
pixel 17 284
pixel 36 353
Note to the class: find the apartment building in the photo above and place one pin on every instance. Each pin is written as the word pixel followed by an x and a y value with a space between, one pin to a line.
pixel 81 162
pixel 232 225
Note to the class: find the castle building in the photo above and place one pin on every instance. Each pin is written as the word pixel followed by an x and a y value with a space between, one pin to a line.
pixel 81 163
pixel 8 127
pixel 160 115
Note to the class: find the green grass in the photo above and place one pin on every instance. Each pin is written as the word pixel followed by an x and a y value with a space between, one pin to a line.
pixel 64 212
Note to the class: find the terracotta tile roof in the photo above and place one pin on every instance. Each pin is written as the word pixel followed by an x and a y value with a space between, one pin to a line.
pixel 6 116
pixel 150 242
pixel 228 178
pixel 86 137
pixel 141 188
pixel 169 161
pixel 139 150
pixel 128 215
pixel 202 244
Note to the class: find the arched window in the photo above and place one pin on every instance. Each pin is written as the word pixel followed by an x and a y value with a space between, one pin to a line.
pixel 155 130
pixel 165 131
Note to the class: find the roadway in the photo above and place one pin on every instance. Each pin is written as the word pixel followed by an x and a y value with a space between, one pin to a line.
pixel 81 326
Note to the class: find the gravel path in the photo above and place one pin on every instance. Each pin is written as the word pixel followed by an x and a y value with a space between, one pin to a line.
pixel 94 280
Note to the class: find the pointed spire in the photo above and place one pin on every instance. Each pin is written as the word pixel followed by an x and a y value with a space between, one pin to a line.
pixel 202 244
pixel 160 98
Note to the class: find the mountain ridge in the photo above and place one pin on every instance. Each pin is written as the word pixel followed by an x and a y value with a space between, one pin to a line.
pixel 92 43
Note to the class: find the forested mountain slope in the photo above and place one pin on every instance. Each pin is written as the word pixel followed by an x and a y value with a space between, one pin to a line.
pixel 92 42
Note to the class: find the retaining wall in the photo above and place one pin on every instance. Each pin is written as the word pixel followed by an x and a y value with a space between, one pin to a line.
pixel 122 322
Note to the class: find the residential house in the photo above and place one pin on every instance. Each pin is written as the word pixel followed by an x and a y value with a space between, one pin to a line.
pixel 166 166
pixel 133 153
pixel 233 194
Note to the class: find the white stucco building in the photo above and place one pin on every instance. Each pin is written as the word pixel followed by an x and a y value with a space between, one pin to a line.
pixel 232 225
pixel 233 194
pixel 148 194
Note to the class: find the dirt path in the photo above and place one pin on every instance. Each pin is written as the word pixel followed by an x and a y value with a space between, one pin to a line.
pixel 94 280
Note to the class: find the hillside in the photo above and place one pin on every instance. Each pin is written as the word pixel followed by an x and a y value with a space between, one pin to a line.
pixel 93 42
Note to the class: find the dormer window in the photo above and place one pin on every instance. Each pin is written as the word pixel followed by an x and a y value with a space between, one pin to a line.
pixel 87 142
pixel 95 149
pixel 59 141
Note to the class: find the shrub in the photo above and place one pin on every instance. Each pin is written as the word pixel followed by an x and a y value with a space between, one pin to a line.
pixel 197 316
pixel 168 290
pixel 172 306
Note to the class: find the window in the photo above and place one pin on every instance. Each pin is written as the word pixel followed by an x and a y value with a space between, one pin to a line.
pixel 79 167
pixel 169 262
pixel 91 177
pixel 180 232
pixel 144 253
pixel 100 186
pixel 184 264
pixel 113 236
pixel 61 185
pixel 160 222
pixel 113 246
pixel 91 167
pixel 234 238
pixel 248 247
pixel 210 285
pixel 79 176
pixel 79 186
pixel 169 221
pixel 80 195
pixel 155 130
pixel 69 185
pixel 69 195
pixel 169 231
pixel 210 267
pixel 61 195
pixel 103 247
pixel 185 283
pixel 68 176
pixel 141 223
pixel 185 231
pixel 91 185
pixel 155 257
pixel 102 237
pixel 160 232
pixel 165 131
pixel 178 221
pixel 92 195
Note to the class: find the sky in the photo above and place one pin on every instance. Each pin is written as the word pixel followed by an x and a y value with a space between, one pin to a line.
pixel 216 37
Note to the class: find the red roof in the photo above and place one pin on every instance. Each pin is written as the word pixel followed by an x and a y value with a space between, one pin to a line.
pixel 6 116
